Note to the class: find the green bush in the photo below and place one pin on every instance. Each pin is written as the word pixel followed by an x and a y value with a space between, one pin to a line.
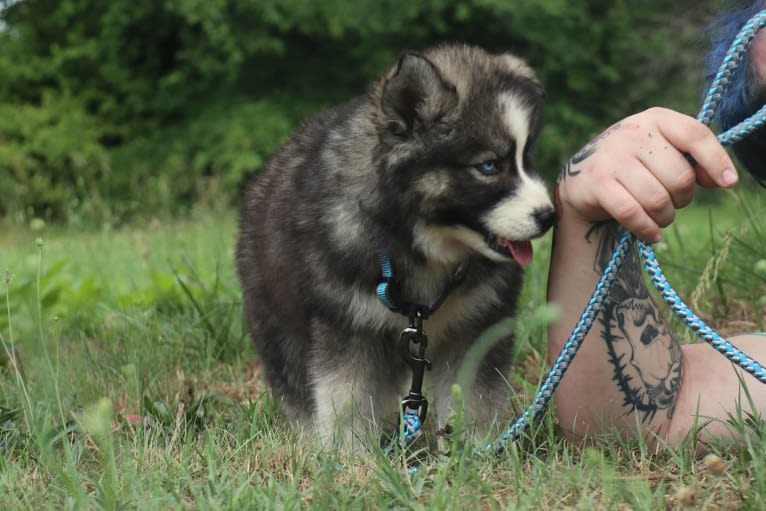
pixel 108 109
pixel 206 159
pixel 49 155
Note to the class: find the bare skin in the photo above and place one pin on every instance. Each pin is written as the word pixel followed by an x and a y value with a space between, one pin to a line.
pixel 631 369
pixel 758 57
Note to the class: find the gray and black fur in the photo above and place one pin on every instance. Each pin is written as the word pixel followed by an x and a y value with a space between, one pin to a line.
pixel 403 168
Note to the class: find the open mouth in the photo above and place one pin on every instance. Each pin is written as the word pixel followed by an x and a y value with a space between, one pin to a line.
pixel 519 251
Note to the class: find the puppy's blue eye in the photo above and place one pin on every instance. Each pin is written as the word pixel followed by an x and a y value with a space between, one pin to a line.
pixel 489 167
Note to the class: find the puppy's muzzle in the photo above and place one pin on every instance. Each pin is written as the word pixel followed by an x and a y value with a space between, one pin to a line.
pixel 545 219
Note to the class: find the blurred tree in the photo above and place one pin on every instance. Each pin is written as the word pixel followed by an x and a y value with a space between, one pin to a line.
pixel 125 106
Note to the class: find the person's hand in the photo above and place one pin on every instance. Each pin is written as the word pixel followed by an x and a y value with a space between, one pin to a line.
pixel 637 172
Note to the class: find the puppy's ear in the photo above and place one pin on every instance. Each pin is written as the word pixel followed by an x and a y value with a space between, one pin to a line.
pixel 519 67
pixel 415 92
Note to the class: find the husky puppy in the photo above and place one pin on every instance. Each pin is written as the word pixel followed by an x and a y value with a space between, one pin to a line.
pixel 434 167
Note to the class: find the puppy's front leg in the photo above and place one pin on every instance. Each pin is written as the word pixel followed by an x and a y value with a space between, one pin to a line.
pixel 486 398
pixel 356 388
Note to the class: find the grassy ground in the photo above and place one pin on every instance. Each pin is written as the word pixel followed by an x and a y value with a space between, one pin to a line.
pixel 126 383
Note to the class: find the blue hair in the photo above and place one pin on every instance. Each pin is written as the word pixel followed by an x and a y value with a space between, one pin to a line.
pixel 743 97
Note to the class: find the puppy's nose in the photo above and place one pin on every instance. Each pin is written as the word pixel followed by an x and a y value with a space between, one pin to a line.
pixel 545 218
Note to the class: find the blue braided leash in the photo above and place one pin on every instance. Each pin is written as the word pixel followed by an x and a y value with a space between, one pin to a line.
pixel 737 50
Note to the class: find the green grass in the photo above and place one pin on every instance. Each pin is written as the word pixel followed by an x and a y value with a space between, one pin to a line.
pixel 126 382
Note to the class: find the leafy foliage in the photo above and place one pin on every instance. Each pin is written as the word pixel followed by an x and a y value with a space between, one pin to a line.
pixel 116 108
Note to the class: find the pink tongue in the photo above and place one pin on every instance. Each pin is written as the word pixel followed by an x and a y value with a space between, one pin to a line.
pixel 521 251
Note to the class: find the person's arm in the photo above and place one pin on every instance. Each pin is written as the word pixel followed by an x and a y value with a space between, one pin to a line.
pixel 630 370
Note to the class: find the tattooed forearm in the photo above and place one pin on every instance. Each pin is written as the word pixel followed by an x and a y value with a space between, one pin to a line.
pixel 644 353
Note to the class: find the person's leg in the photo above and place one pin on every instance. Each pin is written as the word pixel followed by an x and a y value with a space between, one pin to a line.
pixel 715 389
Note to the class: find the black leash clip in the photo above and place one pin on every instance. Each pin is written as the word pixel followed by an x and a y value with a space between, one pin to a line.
pixel 414 338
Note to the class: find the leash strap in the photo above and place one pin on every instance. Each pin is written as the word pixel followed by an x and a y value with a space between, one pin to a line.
pixel 415 405
pixel 568 352
pixel 385 287
pixel 389 295
pixel 690 319
pixel 736 52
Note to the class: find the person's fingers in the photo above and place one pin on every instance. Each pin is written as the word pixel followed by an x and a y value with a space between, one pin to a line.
pixel 714 167
pixel 621 205
pixel 674 172
pixel 646 189
pixel 706 180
